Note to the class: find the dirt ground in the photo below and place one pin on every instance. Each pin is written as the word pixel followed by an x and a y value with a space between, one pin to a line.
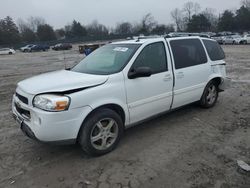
pixel 191 147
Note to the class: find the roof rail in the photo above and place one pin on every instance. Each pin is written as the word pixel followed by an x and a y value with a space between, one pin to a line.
pixel 180 34
pixel 146 37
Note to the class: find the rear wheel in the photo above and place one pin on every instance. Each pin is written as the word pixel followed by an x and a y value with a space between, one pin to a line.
pixel 210 95
pixel 101 132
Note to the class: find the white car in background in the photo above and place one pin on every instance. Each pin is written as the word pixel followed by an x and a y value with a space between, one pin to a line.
pixel 234 39
pixel 247 38
pixel 7 51
pixel 26 48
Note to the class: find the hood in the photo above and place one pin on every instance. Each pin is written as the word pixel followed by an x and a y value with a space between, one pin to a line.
pixel 60 81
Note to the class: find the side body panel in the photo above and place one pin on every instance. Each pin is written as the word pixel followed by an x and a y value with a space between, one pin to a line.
pixel 148 96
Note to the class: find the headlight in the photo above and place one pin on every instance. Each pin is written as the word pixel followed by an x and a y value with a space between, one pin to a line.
pixel 51 102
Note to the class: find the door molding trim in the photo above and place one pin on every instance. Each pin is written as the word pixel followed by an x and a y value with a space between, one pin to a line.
pixel 149 100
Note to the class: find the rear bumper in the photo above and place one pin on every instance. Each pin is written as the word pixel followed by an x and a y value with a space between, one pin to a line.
pixel 225 84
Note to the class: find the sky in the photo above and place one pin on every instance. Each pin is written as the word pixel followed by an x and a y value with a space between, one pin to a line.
pixel 58 13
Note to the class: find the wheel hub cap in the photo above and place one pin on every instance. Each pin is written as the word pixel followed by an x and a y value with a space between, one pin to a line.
pixel 104 134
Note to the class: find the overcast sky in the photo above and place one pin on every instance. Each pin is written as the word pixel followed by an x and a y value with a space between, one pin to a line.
pixel 109 12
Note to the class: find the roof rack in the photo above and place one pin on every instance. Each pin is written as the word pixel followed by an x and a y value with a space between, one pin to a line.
pixel 172 35
pixel 146 37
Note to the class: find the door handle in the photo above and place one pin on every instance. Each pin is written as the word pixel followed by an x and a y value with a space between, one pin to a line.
pixel 180 75
pixel 167 77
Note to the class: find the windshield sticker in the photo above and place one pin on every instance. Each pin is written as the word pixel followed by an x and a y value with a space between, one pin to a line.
pixel 120 49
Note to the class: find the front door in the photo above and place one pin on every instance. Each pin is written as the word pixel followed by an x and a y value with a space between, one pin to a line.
pixel 148 96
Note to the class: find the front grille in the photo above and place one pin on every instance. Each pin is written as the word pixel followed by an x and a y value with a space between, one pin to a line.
pixel 23 112
pixel 22 98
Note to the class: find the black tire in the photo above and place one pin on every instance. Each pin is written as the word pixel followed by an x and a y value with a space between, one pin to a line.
pixel 10 53
pixel 207 101
pixel 90 126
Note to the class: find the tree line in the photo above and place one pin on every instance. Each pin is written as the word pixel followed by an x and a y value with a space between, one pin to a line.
pixel 189 18
pixel 35 29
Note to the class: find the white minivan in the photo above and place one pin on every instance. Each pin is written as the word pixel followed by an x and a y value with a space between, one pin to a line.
pixel 119 85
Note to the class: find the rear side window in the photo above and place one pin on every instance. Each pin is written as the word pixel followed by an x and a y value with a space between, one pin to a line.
pixel 154 57
pixel 188 52
pixel 214 50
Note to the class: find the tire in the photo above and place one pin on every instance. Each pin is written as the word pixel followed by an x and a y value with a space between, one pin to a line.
pixel 210 95
pixel 101 132
pixel 10 53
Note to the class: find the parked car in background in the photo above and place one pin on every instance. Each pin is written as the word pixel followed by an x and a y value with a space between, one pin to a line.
pixel 26 48
pixel 7 51
pixel 234 39
pixel 39 47
pixel 218 38
pixel 62 46
pixel 119 85
pixel 89 48
pixel 247 38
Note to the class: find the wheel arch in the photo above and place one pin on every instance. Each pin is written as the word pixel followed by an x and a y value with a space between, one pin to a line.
pixel 218 79
pixel 115 107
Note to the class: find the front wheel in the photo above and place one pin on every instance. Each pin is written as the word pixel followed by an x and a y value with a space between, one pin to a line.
pixel 210 95
pixel 101 132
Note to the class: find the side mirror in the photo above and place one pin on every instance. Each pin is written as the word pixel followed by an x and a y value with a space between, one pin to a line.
pixel 139 72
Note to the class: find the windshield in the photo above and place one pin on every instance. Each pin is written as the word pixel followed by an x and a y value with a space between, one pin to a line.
pixel 108 59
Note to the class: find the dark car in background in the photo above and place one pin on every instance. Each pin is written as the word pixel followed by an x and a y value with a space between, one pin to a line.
pixel 39 47
pixel 62 46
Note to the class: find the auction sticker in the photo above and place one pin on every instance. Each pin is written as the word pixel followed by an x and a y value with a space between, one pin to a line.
pixel 120 49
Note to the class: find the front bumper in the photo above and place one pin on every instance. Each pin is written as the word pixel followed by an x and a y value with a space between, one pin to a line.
pixel 50 126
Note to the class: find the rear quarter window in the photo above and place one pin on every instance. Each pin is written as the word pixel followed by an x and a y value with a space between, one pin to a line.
pixel 214 50
pixel 188 53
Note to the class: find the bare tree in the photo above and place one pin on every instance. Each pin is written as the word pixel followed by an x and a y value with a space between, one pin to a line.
pixel 148 22
pixel 209 13
pixel 34 22
pixel 97 29
pixel 197 8
pixel 124 28
pixel 246 3
pixel 191 8
pixel 27 34
pixel 177 16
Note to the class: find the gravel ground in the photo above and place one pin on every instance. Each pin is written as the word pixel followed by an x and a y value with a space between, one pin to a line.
pixel 190 147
